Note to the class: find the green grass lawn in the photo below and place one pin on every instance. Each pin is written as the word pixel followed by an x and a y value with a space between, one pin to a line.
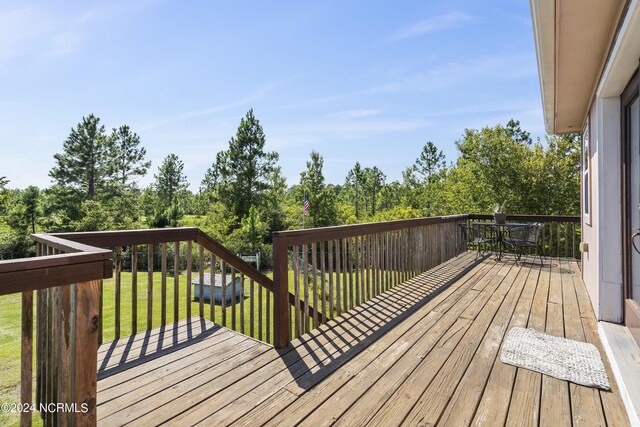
pixel 126 302
pixel 10 320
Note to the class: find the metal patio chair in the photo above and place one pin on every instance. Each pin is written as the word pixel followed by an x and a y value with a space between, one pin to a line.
pixel 482 236
pixel 525 238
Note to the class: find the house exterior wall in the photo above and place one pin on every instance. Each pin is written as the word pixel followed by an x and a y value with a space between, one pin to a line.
pixel 602 271
pixel 602 264
pixel 590 258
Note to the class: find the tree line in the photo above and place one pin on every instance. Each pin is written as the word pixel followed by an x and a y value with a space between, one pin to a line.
pixel 243 196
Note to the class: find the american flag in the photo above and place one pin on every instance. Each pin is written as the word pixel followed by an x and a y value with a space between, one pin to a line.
pixel 306 205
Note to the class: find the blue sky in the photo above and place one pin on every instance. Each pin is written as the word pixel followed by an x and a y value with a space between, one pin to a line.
pixel 355 80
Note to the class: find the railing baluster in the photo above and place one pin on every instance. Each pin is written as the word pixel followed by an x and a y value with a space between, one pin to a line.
pixel 176 282
pixel 345 279
pixel 260 313
pixel 149 286
pixel 241 303
pixel 573 246
pixel 26 355
pixel 558 240
pixel 376 263
pixel 331 263
pixel 100 308
pixel 134 289
pixel 314 266
pixel 367 266
pixel 223 275
pixel 234 301
pixel 163 290
pixel 385 255
pixel 296 290
pixel 349 251
pixel 189 272
pixel 338 279
pixel 212 280
pixel 201 282
pixel 356 255
pixel 323 295
pixel 268 320
pixel 305 281
pixel 252 308
pixel 118 290
pixel 346 273
pixel 396 258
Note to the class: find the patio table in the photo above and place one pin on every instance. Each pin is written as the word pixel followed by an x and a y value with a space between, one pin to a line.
pixel 499 230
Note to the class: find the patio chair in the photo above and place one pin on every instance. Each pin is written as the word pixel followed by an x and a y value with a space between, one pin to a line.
pixel 525 238
pixel 481 236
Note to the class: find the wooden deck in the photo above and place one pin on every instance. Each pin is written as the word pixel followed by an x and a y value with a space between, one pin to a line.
pixel 424 353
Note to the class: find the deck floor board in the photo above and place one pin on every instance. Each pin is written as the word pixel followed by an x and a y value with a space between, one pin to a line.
pixel 425 352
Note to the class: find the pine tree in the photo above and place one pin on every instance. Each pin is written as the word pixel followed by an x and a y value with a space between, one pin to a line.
pixel 82 166
pixel 430 163
pixel 374 180
pixel 354 182
pixel 247 167
pixel 214 178
pixel 322 201
pixel 170 180
pixel 125 156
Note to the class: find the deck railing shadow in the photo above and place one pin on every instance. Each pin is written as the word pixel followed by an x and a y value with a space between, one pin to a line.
pixel 334 344
pixel 120 355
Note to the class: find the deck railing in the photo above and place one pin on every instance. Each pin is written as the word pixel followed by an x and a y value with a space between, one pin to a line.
pixel 98 286
pixel 162 276
pixel 561 235
pixel 335 269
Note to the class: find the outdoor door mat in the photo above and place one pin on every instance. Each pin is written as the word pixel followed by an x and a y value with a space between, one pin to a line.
pixel 569 360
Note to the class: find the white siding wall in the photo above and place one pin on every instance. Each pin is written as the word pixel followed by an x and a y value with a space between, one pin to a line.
pixel 602 265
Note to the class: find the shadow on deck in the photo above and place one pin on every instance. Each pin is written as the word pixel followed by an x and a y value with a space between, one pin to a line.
pixel 425 352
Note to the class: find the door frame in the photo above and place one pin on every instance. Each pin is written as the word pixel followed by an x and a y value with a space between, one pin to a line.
pixel 630 308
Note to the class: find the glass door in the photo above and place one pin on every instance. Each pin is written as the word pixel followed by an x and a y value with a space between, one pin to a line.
pixel 631 168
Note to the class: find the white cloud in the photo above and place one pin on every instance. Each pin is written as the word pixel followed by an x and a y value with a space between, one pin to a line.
pixel 432 25
pixel 50 31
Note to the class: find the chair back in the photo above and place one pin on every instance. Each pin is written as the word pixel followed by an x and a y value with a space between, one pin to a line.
pixel 527 233
pixel 535 230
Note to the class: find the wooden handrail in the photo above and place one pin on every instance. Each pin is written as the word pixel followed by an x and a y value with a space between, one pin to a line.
pixel 105 239
pixel 310 235
pixel 242 266
pixel 212 245
pixel 82 263
pixel 532 218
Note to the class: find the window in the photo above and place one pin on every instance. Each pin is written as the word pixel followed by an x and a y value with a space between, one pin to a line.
pixel 586 182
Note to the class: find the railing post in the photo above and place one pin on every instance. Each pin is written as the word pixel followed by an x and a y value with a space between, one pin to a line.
pixel 281 320
pixel 87 318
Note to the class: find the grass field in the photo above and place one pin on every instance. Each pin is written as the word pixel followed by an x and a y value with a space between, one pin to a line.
pixel 141 320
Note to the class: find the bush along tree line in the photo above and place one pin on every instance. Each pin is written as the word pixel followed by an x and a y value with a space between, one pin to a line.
pixel 243 196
